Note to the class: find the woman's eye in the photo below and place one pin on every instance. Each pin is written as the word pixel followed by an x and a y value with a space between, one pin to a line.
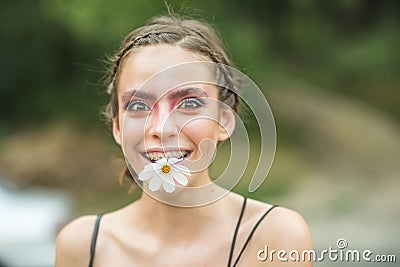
pixel 137 106
pixel 190 103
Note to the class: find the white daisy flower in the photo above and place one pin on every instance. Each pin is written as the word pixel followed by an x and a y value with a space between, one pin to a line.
pixel 165 171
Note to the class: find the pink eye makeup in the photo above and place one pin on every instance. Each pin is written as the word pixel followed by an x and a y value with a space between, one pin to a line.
pixel 183 99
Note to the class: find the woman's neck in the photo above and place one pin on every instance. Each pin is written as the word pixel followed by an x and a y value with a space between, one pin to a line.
pixel 180 223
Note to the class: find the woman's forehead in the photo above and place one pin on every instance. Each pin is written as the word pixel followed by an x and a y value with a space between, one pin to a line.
pixel 163 69
pixel 147 61
pixel 165 63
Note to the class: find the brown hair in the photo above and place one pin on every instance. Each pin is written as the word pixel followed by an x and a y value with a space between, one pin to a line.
pixel 193 35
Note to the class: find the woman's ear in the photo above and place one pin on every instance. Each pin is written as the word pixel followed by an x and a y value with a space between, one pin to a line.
pixel 226 123
pixel 116 130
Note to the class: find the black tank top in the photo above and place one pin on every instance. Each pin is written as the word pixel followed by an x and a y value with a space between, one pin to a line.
pixel 97 224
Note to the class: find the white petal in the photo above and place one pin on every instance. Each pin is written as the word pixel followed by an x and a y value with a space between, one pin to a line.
pixel 168 183
pixel 181 168
pixel 152 167
pixel 145 175
pixel 161 162
pixel 180 178
pixel 155 183
pixel 173 160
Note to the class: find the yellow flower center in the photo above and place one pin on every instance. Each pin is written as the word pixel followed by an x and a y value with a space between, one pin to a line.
pixel 166 169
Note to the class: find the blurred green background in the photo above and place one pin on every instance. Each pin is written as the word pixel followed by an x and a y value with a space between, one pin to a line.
pixel 329 69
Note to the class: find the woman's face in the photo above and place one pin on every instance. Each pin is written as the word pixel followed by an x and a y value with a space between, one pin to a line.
pixel 156 120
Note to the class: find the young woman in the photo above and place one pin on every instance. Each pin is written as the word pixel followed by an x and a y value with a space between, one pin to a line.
pixel 168 130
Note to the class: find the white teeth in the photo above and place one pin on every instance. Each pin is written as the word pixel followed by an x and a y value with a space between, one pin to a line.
pixel 153 156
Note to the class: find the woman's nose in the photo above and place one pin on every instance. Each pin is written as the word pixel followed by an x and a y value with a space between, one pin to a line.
pixel 160 125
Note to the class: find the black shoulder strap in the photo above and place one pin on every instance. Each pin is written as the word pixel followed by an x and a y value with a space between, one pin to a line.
pixel 236 232
pixel 94 239
pixel 251 234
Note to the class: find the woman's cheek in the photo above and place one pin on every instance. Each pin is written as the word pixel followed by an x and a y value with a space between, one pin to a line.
pixel 201 134
pixel 201 129
pixel 132 136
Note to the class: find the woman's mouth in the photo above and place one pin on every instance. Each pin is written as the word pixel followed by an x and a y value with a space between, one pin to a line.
pixel 154 156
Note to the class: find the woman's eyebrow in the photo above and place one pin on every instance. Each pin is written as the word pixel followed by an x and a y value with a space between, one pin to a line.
pixel 177 93
pixel 127 96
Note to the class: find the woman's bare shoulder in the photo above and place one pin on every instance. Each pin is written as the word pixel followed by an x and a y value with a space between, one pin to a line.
pixel 73 242
pixel 282 226
pixel 281 229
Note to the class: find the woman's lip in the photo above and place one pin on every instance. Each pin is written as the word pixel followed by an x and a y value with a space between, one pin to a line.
pixel 163 150
pixel 145 158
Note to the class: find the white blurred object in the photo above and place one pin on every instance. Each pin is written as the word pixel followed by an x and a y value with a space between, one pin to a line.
pixel 29 222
